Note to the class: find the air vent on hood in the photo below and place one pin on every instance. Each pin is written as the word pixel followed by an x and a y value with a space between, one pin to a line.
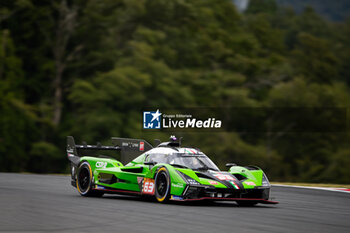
pixel 251 167
pixel 239 177
pixel 201 175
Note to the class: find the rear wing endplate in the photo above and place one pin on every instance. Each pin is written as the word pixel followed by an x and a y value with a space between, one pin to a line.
pixel 129 149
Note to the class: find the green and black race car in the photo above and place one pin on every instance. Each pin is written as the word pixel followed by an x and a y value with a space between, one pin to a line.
pixel 167 172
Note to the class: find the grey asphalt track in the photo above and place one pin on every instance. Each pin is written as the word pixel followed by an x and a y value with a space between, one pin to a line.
pixel 48 203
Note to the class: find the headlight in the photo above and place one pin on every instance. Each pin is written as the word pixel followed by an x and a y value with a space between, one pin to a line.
pixel 265 181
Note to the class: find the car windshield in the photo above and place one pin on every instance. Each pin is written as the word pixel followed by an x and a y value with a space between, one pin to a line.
pixel 184 160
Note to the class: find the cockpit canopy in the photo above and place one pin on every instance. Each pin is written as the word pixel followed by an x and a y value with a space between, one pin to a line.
pixel 183 158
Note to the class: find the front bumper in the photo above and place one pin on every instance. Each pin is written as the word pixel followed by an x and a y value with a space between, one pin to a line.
pixel 197 193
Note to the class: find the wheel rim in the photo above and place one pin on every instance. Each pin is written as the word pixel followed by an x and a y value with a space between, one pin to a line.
pixel 162 184
pixel 84 179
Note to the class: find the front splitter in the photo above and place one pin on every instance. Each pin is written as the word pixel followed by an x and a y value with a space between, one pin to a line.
pixel 229 199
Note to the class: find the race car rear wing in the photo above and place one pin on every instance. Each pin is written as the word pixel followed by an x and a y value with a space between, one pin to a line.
pixel 129 149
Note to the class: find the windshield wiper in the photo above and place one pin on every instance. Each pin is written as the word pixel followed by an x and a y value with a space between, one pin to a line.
pixel 204 167
pixel 213 169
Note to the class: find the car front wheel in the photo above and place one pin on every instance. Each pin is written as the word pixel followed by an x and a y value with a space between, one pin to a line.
pixel 84 181
pixel 162 185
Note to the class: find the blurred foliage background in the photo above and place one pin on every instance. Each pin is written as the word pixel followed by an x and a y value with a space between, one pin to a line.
pixel 87 67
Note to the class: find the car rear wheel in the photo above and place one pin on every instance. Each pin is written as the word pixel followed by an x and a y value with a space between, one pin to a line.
pixel 84 181
pixel 162 185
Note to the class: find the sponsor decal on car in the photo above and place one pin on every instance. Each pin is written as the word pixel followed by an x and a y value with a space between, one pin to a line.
pixel 174 197
pixel 250 183
pixel 142 146
pixel 213 182
pixel 99 187
pixel 177 185
pixel 222 176
pixel 100 164
pixel 148 186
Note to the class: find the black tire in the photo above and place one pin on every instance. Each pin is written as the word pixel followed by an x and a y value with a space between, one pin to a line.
pixel 247 203
pixel 84 181
pixel 162 185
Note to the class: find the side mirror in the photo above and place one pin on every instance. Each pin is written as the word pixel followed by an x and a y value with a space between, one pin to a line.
pixel 150 163
pixel 230 164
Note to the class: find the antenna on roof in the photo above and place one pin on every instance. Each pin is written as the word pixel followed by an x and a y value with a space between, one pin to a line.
pixel 173 139
pixel 173 142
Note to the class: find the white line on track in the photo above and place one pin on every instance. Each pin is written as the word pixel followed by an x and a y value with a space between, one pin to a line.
pixel 311 187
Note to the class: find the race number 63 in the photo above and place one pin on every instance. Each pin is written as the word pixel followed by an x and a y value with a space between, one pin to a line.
pixel 148 186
